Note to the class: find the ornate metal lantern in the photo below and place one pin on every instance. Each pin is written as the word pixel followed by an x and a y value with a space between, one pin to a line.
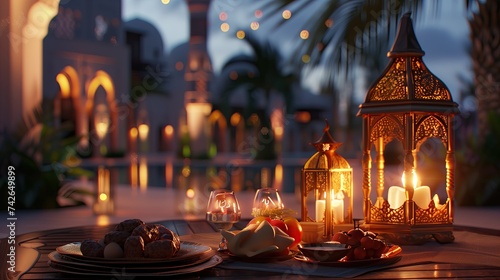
pixel 408 104
pixel 327 177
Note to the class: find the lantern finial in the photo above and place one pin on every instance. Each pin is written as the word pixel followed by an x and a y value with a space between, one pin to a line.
pixel 326 140
pixel 406 43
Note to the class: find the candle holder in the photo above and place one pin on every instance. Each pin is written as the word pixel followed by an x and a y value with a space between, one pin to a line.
pixel 408 104
pixel 327 177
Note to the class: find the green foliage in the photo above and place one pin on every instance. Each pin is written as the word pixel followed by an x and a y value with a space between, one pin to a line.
pixel 44 156
pixel 478 168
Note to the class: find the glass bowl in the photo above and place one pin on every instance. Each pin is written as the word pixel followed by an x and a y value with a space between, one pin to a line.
pixel 324 251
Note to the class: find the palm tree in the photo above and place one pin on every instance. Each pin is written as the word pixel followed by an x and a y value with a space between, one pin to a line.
pixel 485 53
pixel 259 73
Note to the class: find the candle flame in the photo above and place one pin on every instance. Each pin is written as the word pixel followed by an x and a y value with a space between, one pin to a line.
pixel 415 179
pixel 103 197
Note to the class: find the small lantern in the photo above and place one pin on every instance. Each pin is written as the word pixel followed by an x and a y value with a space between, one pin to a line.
pixel 408 104
pixel 328 177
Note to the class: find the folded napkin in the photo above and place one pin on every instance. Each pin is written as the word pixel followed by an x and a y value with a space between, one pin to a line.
pixel 468 248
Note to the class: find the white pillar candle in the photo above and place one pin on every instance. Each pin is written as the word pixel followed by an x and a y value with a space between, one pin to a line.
pixel 320 210
pixel 422 196
pixel 396 196
pixel 338 210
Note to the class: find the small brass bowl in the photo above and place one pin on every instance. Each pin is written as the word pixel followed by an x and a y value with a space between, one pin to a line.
pixel 324 251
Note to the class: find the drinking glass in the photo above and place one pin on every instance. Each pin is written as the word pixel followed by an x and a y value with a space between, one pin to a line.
pixel 223 211
pixel 267 202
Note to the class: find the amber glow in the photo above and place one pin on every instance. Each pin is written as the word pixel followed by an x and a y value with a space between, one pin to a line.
pixel 133 172
pixel 165 2
pixel 304 34
pixel 103 220
pixel 64 85
pixel 190 193
pixel 254 25
pixel 197 113
pixel 303 117
pixel 240 34
pixel 143 174
pixel 235 119
pixel 143 131
pixel 101 79
pixel 169 174
pixel 103 197
pixel 414 181
pixel 169 130
pixel 224 27
pixel 286 14
pixel 278 176
pixel 179 65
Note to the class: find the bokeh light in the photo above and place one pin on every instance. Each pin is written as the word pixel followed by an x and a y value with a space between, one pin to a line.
pixel 329 23
pixel 304 34
pixel 258 13
pixel 224 27
pixel 306 58
pixel 223 16
pixel 286 14
pixel 240 34
pixel 254 25
pixel 165 2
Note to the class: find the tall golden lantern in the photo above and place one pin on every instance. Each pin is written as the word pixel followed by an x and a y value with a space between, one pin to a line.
pixel 408 104
pixel 327 177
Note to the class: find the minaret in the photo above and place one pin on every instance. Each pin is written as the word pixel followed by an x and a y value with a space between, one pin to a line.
pixel 198 74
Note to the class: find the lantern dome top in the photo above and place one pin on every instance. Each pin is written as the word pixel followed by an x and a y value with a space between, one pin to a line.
pixel 326 157
pixel 406 84
pixel 406 43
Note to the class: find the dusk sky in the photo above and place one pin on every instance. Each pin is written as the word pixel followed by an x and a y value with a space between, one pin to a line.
pixel 442 35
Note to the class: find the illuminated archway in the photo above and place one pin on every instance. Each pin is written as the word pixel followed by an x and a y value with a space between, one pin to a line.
pixel 218 126
pixel 34 31
pixel 102 79
pixel 70 95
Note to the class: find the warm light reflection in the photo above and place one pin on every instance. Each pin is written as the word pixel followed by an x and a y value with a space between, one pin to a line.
pixel 143 131
pixel 303 116
pixel 169 174
pixel 278 176
pixel 169 130
pixel 235 119
pixel 165 2
pixel 224 27
pixel 287 14
pixel 240 34
pixel 414 181
pixel 304 34
pixel 143 174
pixel 64 85
pixel 101 120
pixel 134 170
pixel 190 193
pixel 101 79
pixel 103 220
pixel 186 171
pixel 197 117
pixel 103 197
pixel 254 25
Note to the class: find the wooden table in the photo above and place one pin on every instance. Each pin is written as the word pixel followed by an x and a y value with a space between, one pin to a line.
pixel 33 248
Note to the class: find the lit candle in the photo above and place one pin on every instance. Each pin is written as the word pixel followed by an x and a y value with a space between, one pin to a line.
pixel 320 210
pixel 338 210
pixel 396 196
pixel 422 196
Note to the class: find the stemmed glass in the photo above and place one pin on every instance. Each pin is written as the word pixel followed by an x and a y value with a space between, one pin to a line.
pixel 223 210
pixel 267 202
